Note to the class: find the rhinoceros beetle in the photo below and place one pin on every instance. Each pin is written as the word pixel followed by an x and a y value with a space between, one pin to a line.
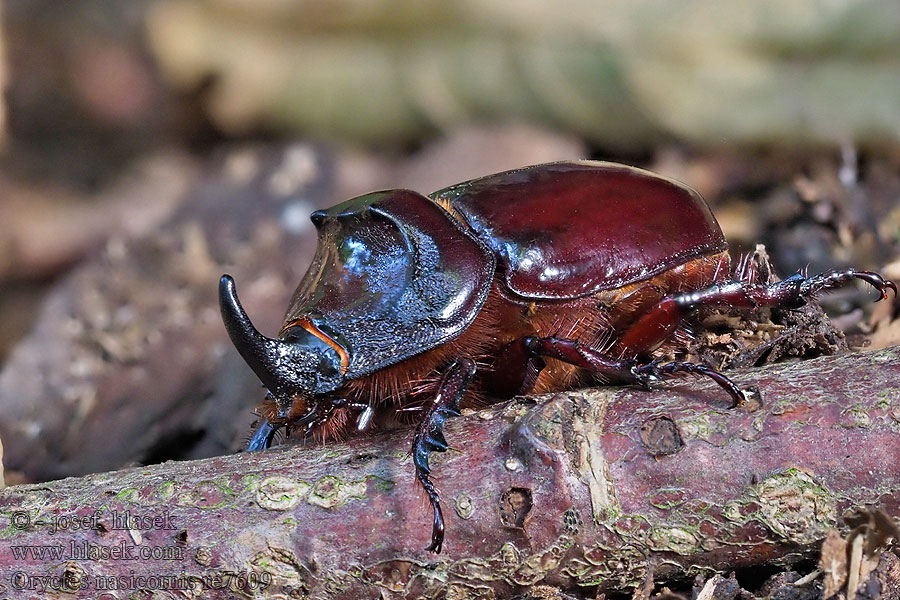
pixel 532 280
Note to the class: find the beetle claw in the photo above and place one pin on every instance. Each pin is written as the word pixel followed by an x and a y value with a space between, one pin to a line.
pixel 655 371
pixel 879 283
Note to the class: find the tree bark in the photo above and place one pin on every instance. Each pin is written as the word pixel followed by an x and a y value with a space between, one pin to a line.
pixel 582 490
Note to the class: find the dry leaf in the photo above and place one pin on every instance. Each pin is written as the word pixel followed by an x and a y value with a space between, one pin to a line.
pixel 833 563
pixel 872 532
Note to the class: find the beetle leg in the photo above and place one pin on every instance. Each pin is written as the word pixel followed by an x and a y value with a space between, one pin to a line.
pixel 624 370
pixel 263 436
pixel 430 436
pixel 825 281
pixel 574 353
pixel 316 416
pixel 792 292
pixel 514 370
pixel 657 325
pixel 645 374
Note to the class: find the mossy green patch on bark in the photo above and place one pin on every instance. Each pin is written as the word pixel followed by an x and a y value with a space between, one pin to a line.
pixel 674 539
pixel 331 492
pixel 280 493
pixel 795 506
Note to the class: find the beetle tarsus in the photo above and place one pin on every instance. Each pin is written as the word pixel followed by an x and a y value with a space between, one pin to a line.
pixel 430 437
pixel 830 279
pixel 792 292
pixel 657 370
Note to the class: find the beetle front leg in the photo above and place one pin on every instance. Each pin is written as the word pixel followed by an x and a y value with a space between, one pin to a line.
pixel 317 415
pixel 263 436
pixel 430 436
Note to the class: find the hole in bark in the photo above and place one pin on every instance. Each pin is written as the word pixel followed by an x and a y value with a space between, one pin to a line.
pixel 660 436
pixel 361 457
pixel 515 507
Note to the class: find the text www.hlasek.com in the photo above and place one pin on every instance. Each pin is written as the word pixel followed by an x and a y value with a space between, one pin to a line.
pixel 87 551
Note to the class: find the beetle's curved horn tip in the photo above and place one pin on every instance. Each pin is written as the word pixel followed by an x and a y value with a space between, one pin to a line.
pixel 228 300
pixel 236 320
pixel 226 282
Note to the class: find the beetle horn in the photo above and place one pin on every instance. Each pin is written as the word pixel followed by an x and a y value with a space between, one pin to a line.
pixel 261 353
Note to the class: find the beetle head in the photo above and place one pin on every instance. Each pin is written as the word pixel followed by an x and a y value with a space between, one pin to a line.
pixel 301 363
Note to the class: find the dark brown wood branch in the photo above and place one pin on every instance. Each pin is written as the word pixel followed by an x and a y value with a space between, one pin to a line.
pixel 578 490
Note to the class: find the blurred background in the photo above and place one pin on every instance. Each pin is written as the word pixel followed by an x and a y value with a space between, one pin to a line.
pixel 150 145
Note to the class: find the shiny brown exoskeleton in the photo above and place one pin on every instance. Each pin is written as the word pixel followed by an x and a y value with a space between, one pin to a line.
pixel 533 280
